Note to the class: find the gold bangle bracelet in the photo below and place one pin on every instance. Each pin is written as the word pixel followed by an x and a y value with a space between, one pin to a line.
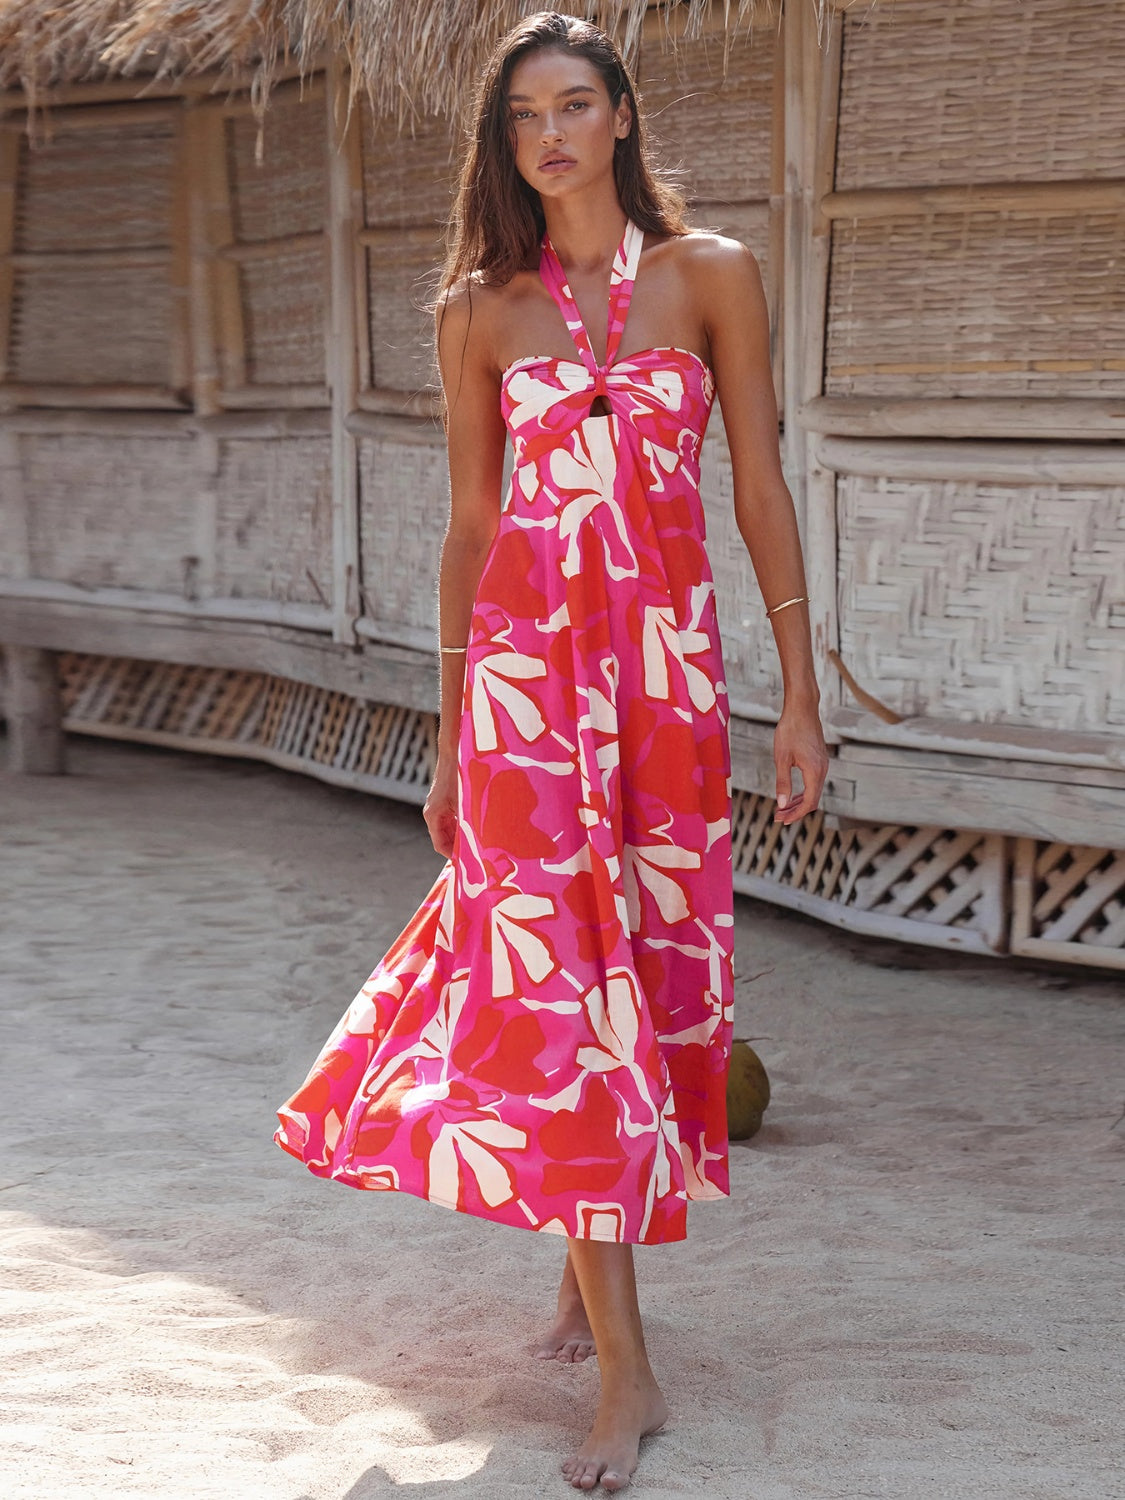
pixel 796 599
pixel 454 650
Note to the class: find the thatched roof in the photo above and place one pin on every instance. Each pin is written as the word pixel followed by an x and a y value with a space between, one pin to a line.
pixel 410 54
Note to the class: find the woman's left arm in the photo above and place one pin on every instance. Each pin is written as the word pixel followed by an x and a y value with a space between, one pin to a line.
pixel 732 304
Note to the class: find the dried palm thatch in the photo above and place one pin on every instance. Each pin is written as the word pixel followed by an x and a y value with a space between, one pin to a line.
pixel 412 58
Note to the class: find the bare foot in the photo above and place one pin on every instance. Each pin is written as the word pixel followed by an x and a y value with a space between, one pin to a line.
pixel 609 1455
pixel 570 1338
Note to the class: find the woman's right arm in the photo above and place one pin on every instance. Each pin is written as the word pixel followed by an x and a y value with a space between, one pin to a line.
pixel 475 437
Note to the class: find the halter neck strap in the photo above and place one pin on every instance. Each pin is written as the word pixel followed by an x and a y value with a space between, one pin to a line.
pixel 621 278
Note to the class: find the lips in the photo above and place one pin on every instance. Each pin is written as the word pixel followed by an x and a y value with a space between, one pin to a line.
pixel 556 159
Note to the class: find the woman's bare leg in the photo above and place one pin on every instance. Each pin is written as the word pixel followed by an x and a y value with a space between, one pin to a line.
pixel 570 1338
pixel 631 1404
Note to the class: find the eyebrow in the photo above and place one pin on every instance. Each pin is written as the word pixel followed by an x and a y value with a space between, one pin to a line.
pixel 579 88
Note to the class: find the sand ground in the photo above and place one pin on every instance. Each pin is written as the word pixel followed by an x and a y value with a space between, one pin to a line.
pixel 914 1291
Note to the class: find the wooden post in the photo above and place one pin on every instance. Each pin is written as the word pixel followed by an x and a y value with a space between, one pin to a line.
pixel 194 137
pixel 345 215
pixel 9 178
pixel 812 82
pixel 35 737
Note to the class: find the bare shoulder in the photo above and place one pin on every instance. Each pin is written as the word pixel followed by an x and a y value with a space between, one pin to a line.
pixel 472 315
pixel 718 265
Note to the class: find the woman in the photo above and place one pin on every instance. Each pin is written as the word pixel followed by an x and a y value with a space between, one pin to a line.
pixel 546 1043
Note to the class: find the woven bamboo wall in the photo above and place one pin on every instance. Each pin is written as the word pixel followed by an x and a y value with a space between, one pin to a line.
pixel 957 302
pixel 273 529
pixel 102 191
pixel 408 183
pixel 110 512
pixel 987 602
pixel 404 501
pixel 272 201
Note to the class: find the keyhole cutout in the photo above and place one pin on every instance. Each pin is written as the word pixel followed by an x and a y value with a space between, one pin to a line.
pixel 599 407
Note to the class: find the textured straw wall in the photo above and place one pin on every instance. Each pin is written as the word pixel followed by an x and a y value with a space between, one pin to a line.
pixel 110 512
pixel 987 602
pixel 283 195
pixel 107 190
pixel 273 534
pixel 987 302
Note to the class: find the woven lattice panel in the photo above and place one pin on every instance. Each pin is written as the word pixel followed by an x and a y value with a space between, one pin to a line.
pixel 992 90
pixel 750 661
pixel 78 324
pixel 714 125
pixel 408 176
pixel 283 305
pixel 1070 903
pixel 85 325
pixel 107 189
pixel 372 746
pixel 977 304
pixel 404 490
pixel 285 194
pixel 931 878
pixel 985 602
pixel 274 520
pixel 402 278
pixel 111 512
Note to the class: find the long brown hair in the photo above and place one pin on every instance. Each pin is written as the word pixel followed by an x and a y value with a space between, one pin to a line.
pixel 497 221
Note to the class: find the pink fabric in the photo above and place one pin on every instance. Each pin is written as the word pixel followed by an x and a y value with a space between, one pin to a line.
pixel 546 1043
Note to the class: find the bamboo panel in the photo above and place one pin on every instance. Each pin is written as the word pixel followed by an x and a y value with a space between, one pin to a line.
pixel 715 127
pixel 1069 903
pixel 402 277
pixel 284 194
pixel 750 660
pixel 977 304
pixel 986 602
pixel 986 91
pixel 91 327
pixel 283 306
pixel 112 512
pixel 348 741
pixel 408 177
pixel 273 521
pixel 108 191
pixel 403 506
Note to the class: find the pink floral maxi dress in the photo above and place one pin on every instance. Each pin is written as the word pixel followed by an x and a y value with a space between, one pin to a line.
pixel 546 1043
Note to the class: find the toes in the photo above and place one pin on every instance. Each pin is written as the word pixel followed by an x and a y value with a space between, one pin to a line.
pixel 612 1480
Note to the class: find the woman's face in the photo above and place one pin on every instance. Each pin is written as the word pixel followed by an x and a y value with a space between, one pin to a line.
pixel 563 124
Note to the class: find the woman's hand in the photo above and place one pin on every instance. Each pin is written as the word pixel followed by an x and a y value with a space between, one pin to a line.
pixel 440 806
pixel 798 741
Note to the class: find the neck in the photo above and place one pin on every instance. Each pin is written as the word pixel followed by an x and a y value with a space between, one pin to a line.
pixel 585 232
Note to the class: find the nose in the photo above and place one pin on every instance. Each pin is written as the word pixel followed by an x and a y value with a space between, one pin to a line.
pixel 551 128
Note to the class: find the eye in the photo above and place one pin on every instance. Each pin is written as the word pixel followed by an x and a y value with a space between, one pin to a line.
pixel 520 114
pixel 577 104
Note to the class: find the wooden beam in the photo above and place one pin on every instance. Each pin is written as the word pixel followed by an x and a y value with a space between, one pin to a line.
pixel 1027 749
pixel 10 148
pixel 34 712
pixel 279 397
pixel 973 462
pixel 143 601
pixel 345 216
pixel 196 135
pixel 104 397
pixel 812 81
pixel 97 117
pixel 289 76
pixel 387 402
pixel 251 251
pixel 383 673
pixel 1092 195
pixel 179 269
pixel 1081 417
pixel 124 258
